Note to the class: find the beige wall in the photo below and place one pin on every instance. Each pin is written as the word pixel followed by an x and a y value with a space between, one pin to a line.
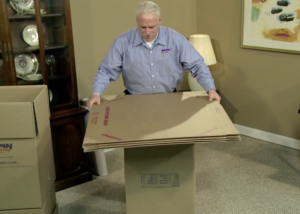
pixel 96 23
pixel 260 89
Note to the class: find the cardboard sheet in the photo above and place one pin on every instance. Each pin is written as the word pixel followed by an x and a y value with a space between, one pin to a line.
pixel 145 120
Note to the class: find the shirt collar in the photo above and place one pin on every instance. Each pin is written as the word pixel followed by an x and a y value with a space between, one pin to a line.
pixel 161 39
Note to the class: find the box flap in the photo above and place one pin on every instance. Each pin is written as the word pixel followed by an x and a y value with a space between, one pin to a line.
pixel 17 120
pixel 27 93
pixel 42 110
pixel 21 108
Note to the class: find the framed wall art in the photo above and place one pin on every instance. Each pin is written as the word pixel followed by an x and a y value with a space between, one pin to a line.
pixel 271 25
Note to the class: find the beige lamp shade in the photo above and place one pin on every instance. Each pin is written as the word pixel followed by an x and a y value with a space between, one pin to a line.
pixel 203 45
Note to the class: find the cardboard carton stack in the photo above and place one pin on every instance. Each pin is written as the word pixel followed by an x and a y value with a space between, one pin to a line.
pixel 157 119
pixel 27 172
pixel 158 132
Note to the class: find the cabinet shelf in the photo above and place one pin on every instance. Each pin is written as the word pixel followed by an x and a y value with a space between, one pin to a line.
pixel 52 15
pixel 38 82
pixel 23 82
pixel 32 16
pixel 35 48
pixel 59 78
pixel 59 109
pixel 51 47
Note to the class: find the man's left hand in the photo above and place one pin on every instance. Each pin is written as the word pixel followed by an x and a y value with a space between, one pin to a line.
pixel 213 95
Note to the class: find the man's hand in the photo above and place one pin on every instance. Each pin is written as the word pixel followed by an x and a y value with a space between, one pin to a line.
pixel 94 99
pixel 213 95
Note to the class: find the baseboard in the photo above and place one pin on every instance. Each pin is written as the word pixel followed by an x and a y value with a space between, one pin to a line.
pixel 269 137
pixel 262 135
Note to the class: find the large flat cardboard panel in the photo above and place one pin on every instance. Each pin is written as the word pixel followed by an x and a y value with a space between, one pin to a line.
pixel 49 206
pixel 226 137
pixel 27 163
pixel 156 116
pixel 93 147
pixel 130 145
pixel 160 179
pixel 157 143
pixel 204 139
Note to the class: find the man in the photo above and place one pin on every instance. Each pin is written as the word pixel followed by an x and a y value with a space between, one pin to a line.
pixel 151 58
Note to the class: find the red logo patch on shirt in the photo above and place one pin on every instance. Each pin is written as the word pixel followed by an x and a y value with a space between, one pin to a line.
pixel 166 50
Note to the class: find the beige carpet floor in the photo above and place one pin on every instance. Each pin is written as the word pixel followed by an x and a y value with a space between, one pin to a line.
pixel 251 176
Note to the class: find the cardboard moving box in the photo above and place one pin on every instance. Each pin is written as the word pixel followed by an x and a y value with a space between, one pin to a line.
pixel 49 206
pixel 160 179
pixel 26 155
pixel 160 172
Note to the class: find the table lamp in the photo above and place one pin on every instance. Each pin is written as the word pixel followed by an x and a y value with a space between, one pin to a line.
pixel 203 45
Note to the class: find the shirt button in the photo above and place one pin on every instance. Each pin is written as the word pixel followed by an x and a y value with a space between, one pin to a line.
pixel 154 86
pixel 150 51
pixel 151 63
pixel 152 75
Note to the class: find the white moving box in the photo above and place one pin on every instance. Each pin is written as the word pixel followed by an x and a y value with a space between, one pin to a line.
pixel 27 172
pixel 49 206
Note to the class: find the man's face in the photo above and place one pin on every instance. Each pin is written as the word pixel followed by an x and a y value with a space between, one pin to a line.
pixel 148 25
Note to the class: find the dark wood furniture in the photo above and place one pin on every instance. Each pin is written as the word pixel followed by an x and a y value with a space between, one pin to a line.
pixel 51 21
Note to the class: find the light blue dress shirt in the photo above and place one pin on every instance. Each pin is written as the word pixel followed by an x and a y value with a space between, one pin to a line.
pixel 151 70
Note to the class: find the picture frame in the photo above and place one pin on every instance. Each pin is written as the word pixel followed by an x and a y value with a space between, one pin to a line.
pixel 272 25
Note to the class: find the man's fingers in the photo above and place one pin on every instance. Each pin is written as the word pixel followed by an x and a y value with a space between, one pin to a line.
pixel 98 101
pixel 95 99
pixel 213 95
pixel 217 98
pixel 90 104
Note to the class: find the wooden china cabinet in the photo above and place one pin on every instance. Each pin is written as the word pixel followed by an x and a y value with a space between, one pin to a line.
pixel 36 38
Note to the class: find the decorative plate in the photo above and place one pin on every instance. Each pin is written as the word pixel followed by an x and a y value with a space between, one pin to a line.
pixel 30 35
pixel 26 64
pixel 21 6
pixel 33 77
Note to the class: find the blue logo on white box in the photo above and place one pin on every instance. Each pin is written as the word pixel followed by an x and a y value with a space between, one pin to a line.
pixel 5 147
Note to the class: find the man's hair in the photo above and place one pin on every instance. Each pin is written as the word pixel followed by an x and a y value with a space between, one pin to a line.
pixel 147 7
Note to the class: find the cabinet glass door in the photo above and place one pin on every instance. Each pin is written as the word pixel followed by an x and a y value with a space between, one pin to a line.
pixel 37 48
pixel 24 42
pixel 57 54
pixel 2 73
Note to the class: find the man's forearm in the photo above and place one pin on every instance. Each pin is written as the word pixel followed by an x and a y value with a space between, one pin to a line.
pixel 101 82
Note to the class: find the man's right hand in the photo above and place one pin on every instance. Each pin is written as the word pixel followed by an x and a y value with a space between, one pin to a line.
pixel 94 99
